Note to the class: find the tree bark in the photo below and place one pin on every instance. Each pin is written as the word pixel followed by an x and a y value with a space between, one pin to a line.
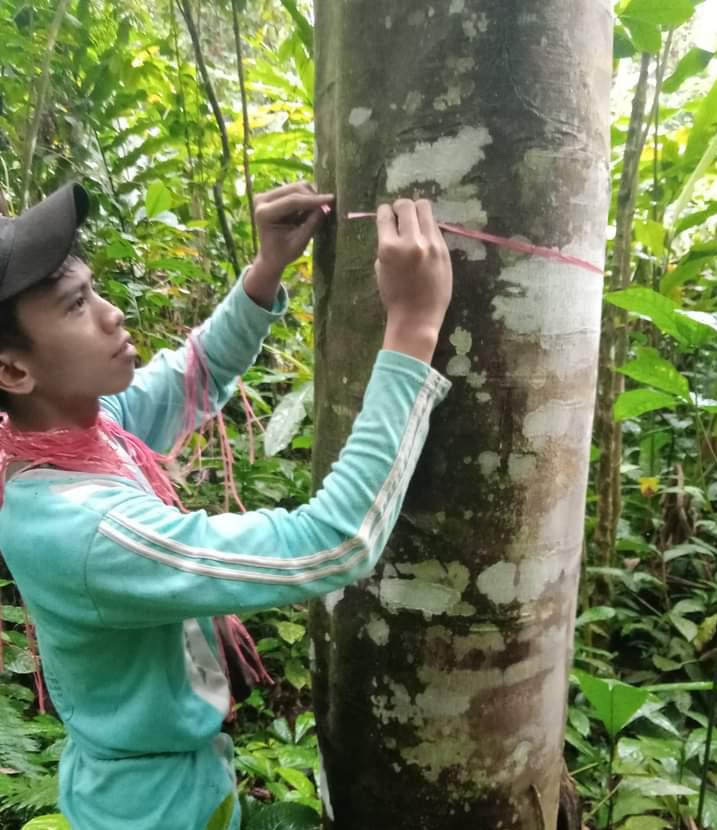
pixel 440 682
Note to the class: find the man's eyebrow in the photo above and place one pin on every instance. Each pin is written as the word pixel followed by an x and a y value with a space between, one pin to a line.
pixel 77 286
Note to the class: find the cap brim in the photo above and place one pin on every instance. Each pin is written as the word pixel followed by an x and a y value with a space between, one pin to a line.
pixel 43 238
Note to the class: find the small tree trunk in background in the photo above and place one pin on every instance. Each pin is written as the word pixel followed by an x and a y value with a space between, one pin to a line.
pixel 440 683
pixel 614 343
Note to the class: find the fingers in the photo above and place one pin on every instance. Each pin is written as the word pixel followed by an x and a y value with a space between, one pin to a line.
pixel 387 228
pixel 284 190
pixel 292 206
pixel 426 222
pixel 408 225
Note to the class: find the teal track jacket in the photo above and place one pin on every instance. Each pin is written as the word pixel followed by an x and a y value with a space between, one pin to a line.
pixel 122 587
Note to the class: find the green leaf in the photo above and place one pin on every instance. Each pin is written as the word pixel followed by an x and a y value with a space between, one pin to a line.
pixel 645 36
pixel 694 62
pixel 285 816
pixel 281 729
pixel 297 780
pixel 287 419
pixel 702 130
pixel 637 402
pixel 304 28
pixel 291 632
pixel 222 815
pixel 663 312
pixel 622 46
pixel 304 724
pixel 592 615
pixel 686 627
pixel 652 236
pixel 52 822
pixel 655 786
pixel 650 368
pixel 615 703
pixel 691 220
pixel 669 13
pixel 297 757
pixel 579 720
pixel 645 823
pixel 297 674
pixel 629 803
pixel 158 199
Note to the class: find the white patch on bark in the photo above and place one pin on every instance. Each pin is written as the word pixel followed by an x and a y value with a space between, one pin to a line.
pixel 462 340
pixel 557 420
pixel 507 582
pixel 521 468
pixel 548 299
pixel 332 600
pixel 498 582
pixel 457 6
pixel 445 161
pixel 429 598
pixel 389 23
pixel 470 29
pixel 459 366
pixel 359 116
pixel 461 206
pixel 378 630
pixel 476 380
pixel 489 463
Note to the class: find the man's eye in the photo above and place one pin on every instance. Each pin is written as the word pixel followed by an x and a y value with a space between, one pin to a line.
pixel 79 303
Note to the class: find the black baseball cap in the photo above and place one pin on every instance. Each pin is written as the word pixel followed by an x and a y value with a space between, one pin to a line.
pixel 34 245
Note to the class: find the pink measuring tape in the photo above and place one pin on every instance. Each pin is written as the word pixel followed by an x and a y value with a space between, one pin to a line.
pixel 502 242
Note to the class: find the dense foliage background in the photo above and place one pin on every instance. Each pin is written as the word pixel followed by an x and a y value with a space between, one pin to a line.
pixel 162 109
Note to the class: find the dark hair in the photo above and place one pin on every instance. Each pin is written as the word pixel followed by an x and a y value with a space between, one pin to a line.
pixel 12 335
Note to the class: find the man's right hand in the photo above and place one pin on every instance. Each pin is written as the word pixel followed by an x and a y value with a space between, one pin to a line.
pixel 415 277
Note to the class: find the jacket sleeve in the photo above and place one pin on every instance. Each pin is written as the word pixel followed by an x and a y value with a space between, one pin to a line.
pixel 153 405
pixel 149 564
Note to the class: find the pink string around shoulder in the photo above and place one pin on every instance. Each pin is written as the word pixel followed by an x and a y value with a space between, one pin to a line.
pixel 106 448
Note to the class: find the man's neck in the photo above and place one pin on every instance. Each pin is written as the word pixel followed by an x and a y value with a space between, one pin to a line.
pixel 40 415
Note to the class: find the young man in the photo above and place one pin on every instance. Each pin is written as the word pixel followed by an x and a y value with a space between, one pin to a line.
pixel 122 586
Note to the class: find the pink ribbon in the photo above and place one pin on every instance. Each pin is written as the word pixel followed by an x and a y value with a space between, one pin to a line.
pixel 504 242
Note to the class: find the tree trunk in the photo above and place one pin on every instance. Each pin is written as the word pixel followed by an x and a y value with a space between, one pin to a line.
pixel 440 683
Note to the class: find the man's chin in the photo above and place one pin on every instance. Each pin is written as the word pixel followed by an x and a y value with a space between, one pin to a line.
pixel 121 384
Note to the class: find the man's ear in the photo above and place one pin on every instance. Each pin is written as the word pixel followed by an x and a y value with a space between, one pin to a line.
pixel 15 375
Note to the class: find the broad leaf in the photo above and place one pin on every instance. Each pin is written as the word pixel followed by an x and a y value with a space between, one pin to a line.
pixel 615 703
pixel 669 13
pixel 694 62
pixel 223 814
pixel 652 236
pixel 663 312
pixel 646 36
pixel 702 130
pixel 297 780
pixel 290 632
pixel 158 199
pixel 652 369
pixel 637 402
pixel 53 822
pixel 592 615
pixel 286 420
pixel 285 816
pixel 304 28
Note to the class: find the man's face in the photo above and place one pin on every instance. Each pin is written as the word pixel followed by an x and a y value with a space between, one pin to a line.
pixel 80 350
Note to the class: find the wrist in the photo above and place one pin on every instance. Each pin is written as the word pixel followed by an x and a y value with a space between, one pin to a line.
pixel 262 281
pixel 414 338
